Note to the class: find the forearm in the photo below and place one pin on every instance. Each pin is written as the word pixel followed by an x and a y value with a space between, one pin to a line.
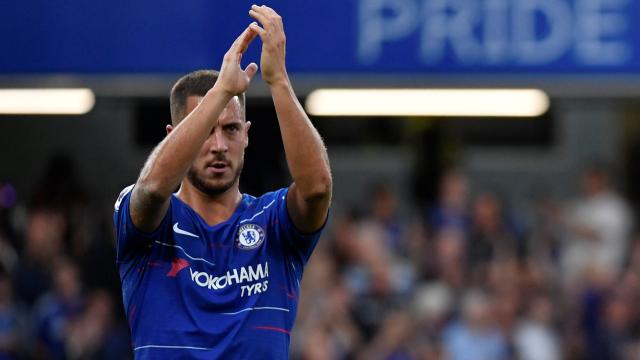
pixel 305 151
pixel 169 162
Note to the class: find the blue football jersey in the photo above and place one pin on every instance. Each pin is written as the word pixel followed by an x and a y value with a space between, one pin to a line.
pixel 228 291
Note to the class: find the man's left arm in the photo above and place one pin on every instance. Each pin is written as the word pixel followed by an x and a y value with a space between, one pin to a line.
pixel 309 195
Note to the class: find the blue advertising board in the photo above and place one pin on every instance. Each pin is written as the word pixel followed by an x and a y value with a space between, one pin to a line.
pixel 326 37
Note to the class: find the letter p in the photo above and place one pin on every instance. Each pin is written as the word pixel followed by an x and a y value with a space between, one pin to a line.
pixel 380 21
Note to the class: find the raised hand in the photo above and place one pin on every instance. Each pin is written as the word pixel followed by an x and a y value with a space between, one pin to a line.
pixel 271 33
pixel 232 78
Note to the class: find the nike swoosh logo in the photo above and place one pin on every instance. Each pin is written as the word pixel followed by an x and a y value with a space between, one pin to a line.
pixel 182 232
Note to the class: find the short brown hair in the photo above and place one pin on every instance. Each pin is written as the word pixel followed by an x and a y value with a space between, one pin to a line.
pixel 196 83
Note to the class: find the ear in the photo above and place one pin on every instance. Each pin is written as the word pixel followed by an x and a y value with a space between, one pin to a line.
pixel 169 129
pixel 247 125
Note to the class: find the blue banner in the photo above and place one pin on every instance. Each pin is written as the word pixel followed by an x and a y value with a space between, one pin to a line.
pixel 326 37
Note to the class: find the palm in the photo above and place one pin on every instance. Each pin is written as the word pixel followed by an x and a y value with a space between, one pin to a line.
pixel 235 79
pixel 232 78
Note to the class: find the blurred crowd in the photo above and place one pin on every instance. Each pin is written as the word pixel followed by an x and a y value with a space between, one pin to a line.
pixel 59 289
pixel 465 277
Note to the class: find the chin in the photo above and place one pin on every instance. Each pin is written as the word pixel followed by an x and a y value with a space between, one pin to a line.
pixel 211 187
pixel 217 186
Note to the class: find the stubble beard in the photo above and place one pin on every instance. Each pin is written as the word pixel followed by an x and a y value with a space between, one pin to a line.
pixel 208 189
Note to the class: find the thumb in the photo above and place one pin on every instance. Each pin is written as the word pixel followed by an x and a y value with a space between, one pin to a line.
pixel 251 70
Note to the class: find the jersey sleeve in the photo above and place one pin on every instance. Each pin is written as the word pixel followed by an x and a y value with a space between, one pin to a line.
pixel 130 241
pixel 301 244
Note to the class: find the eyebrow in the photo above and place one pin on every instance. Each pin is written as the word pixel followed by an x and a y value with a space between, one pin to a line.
pixel 235 122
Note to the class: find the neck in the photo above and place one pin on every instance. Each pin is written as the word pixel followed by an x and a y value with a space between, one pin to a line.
pixel 213 209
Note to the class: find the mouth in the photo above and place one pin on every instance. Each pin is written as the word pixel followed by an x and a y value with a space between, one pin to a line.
pixel 217 167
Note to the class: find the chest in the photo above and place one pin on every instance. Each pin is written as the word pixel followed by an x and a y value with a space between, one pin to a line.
pixel 236 260
pixel 234 243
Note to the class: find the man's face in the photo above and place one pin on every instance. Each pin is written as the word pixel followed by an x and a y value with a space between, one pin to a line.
pixel 219 163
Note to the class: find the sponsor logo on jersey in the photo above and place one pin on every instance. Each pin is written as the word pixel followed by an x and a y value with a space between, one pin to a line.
pixel 236 276
pixel 250 236
pixel 177 230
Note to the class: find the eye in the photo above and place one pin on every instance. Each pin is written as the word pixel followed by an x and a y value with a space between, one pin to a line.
pixel 232 128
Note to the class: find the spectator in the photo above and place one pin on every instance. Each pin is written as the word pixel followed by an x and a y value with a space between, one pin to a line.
pixel 491 235
pixel 384 214
pixel 535 338
pixel 451 211
pixel 43 244
pixel 598 227
pixel 55 310
pixel 10 321
pixel 475 336
pixel 93 334
pixel 391 341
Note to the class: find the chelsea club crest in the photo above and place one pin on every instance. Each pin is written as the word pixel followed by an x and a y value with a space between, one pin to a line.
pixel 250 236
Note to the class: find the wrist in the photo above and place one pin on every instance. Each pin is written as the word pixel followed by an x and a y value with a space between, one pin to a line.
pixel 281 79
pixel 218 91
pixel 280 82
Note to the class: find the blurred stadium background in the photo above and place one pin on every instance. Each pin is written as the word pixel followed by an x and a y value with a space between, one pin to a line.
pixel 455 233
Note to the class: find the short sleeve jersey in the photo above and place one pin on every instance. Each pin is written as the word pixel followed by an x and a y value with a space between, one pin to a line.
pixel 228 291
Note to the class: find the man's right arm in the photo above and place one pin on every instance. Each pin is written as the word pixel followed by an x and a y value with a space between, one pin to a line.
pixel 170 160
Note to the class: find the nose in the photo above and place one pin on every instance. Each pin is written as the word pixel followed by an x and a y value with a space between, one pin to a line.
pixel 218 143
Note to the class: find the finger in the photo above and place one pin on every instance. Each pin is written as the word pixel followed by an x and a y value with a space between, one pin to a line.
pixel 241 44
pixel 268 17
pixel 260 31
pixel 259 14
pixel 251 70
pixel 269 12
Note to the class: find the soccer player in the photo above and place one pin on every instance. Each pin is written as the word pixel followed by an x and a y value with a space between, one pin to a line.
pixel 208 272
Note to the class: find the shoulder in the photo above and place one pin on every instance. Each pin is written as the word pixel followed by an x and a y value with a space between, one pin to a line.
pixel 266 200
pixel 123 193
pixel 264 207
